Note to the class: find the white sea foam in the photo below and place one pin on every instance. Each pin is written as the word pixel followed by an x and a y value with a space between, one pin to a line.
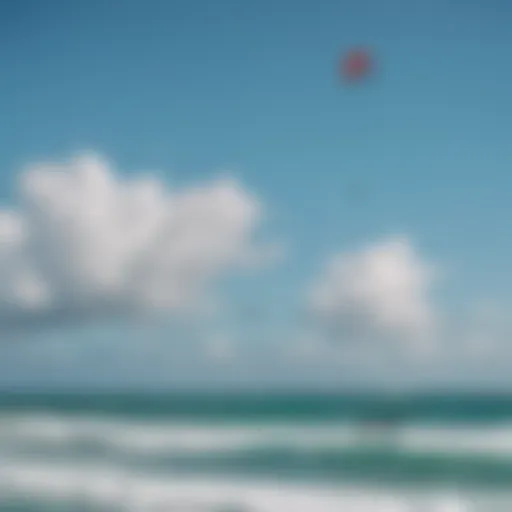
pixel 172 438
pixel 111 488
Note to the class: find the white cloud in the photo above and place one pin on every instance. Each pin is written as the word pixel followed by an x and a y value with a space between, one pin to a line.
pixel 378 292
pixel 82 241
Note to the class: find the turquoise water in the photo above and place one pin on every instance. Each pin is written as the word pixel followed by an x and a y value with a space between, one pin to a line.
pixel 255 452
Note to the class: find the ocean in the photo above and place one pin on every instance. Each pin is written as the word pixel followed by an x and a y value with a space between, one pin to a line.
pixel 255 452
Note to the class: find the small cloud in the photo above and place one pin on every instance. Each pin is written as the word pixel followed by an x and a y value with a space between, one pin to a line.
pixel 377 292
pixel 85 242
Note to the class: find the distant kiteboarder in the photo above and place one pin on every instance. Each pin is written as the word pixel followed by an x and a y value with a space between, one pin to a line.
pixel 384 419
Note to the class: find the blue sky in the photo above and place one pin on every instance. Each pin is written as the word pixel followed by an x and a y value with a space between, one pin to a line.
pixel 193 88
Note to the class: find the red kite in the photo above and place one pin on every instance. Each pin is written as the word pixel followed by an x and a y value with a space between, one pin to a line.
pixel 356 65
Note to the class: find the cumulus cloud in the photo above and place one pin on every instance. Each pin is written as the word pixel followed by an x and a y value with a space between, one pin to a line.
pixel 82 242
pixel 381 291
